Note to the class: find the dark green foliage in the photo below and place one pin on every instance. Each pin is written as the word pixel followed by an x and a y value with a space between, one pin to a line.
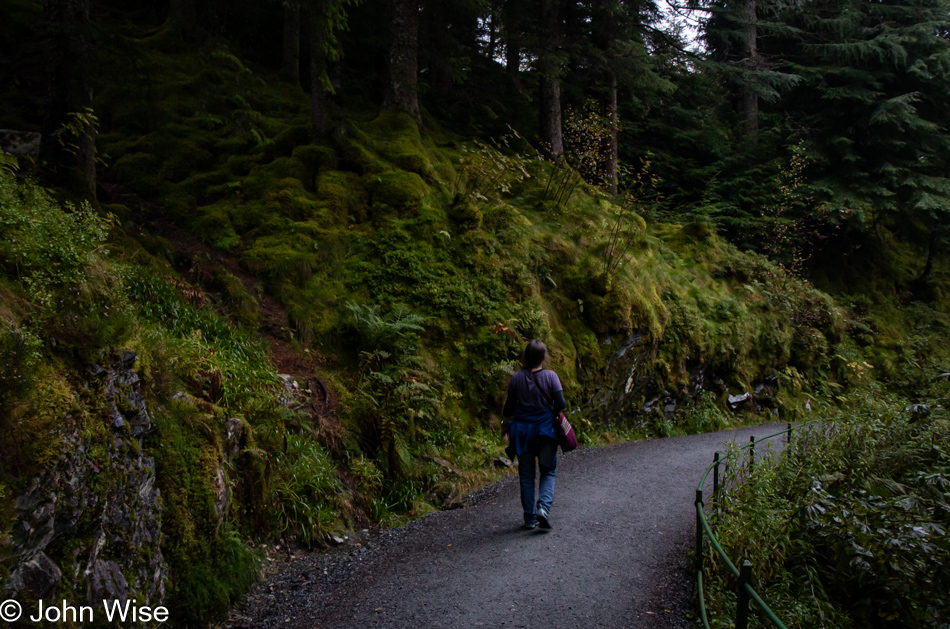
pixel 18 353
pixel 197 371
pixel 883 144
pixel 395 396
pixel 43 245
pixel 849 528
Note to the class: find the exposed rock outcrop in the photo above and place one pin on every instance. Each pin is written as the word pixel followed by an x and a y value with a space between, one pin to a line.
pixel 103 500
pixel 20 142
pixel 633 389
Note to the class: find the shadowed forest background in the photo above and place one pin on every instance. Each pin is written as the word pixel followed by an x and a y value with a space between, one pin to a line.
pixel 266 268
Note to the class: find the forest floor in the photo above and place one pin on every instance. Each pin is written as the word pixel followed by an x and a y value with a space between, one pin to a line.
pixel 623 524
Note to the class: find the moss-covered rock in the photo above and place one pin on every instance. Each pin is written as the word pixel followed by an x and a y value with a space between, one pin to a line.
pixel 809 348
pixel 344 193
pixel 286 141
pixel 104 538
pixel 242 307
pixel 609 313
pixel 287 197
pixel 291 257
pixel 395 136
pixel 400 191
pixel 214 227
pixel 699 231
pixel 466 215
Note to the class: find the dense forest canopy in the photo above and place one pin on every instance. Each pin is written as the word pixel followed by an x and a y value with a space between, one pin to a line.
pixel 848 95
pixel 273 262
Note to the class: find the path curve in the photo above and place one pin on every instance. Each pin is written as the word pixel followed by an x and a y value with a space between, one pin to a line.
pixel 616 558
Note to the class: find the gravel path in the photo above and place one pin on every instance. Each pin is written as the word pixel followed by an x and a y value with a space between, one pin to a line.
pixel 617 556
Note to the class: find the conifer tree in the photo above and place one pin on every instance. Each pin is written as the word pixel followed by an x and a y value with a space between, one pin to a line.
pixel 549 81
pixel 732 33
pixel 402 90
pixel 325 19
pixel 291 51
pixel 873 107
pixel 513 34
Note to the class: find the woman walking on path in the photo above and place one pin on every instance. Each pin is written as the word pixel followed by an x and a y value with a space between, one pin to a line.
pixel 535 398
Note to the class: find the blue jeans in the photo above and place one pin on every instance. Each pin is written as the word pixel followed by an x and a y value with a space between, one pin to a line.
pixel 545 453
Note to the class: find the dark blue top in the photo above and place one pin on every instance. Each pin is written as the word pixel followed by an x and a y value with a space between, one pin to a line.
pixel 534 393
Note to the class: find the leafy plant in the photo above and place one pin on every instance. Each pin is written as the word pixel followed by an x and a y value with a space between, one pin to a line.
pixel 78 127
pixel 45 245
pixel 395 392
pixel 8 162
pixel 586 136
pixel 305 492
pixel 848 528
pixel 19 353
pixel 488 171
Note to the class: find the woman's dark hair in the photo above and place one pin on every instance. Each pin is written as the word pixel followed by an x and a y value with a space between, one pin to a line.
pixel 534 354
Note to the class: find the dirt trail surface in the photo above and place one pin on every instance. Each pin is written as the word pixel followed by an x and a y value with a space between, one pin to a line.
pixel 623 522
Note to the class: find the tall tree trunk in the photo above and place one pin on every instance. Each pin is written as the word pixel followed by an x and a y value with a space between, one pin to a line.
pixel 291 69
pixel 549 89
pixel 931 254
pixel 183 12
pixel 68 147
pixel 748 100
pixel 402 92
pixel 319 81
pixel 512 26
pixel 610 168
pixel 319 98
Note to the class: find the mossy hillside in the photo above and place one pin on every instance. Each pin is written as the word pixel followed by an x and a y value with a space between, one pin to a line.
pixel 372 217
pixel 219 433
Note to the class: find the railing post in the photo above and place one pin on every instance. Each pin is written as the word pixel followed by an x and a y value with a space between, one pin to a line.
pixel 699 529
pixel 789 433
pixel 716 477
pixel 742 612
pixel 751 452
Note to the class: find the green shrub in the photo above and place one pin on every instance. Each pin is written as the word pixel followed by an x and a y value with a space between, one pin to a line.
pixel 140 172
pixel 847 529
pixel 305 493
pixel 46 246
pixel 18 355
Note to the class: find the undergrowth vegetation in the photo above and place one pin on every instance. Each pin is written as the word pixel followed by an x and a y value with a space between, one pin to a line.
pixel 849 527
pixel 68 305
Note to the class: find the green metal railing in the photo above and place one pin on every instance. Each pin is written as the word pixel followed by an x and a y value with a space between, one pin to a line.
pixel 745 593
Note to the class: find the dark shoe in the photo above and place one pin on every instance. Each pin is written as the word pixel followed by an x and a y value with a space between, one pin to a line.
pixel 543 518
pixel 529 526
